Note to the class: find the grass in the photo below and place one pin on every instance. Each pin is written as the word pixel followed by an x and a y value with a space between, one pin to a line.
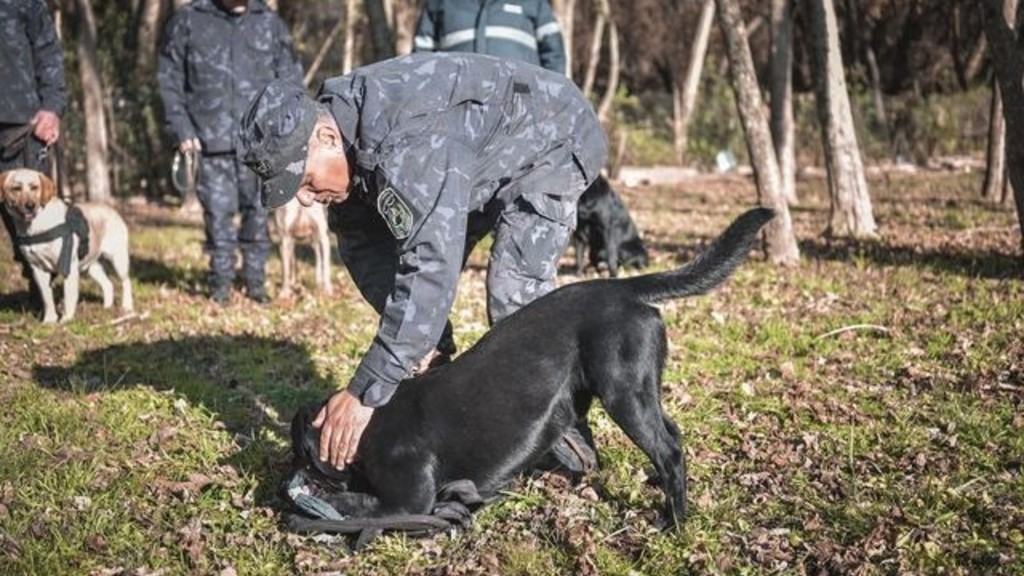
pixel 155 445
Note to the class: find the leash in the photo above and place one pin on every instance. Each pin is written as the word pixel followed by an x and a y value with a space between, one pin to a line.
pixel 16 142
pixel 454 508
pixel 185 170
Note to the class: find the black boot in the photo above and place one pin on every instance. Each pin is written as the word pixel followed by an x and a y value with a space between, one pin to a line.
pixel 258 293
pixel 220 293
pixel 255 283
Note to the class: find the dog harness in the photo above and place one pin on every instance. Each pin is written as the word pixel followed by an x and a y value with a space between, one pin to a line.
pixel 76 224
pixel 453 509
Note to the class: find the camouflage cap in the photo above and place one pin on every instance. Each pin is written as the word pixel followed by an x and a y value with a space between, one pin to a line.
pixel 273 139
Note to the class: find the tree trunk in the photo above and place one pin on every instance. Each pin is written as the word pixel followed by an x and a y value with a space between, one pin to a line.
pixel 564 12
pixel 780 243
pixel 96 144
pixel 976 60
pixel 147 36
pixel 996 182
pixel 403 22
pixel 850 211
pixel 322 53
pixel 878 99
pixel 595 53
pixel 351 17
pixel 380 32
pixel 604 110
pixel 783 131
pixel 995 153
pixel 1009 67
pixel 684 99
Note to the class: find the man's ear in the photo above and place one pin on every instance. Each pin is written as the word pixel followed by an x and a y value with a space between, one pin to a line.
pixel 326 134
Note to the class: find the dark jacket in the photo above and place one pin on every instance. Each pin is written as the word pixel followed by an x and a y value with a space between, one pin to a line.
pixel 213 62
pixel 434 138
pixel 31 63
pixel 523 30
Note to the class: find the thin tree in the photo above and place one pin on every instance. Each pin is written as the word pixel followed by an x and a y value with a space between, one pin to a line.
pixel 600 23
pixel 850 212
pixel 351 17
pixel 1009 68
pixel 783 131
pixel 684 99
pixel 97 153
pixel 780 243
pixel 604 109
pixel 381 35
pixel 996 183
pixel 146 35
pixel 564 10
pixel 318 60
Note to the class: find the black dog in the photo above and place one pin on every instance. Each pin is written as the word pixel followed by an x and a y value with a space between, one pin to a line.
pixel 499 407
pixel 606 231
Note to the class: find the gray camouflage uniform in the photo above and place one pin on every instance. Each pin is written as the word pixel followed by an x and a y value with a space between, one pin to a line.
pixel 448 147
pixel 31 79
pixel 211 64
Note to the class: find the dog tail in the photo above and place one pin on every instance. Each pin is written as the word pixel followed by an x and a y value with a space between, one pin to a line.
pixel 710 268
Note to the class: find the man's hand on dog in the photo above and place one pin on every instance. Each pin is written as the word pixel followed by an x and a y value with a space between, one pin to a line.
pixel 341 422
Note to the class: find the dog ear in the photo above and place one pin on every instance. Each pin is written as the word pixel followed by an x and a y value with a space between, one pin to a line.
pixel 3 183
pixel 47 189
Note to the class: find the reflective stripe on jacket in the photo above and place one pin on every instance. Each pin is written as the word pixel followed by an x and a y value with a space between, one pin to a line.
pixel 523 30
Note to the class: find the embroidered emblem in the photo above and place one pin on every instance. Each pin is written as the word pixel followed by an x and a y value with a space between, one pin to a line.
pixel 262 168
pixel 512 8
pixel 396 213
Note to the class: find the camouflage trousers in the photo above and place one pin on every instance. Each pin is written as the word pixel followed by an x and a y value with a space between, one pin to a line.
pixel 227 188
pixel 524 257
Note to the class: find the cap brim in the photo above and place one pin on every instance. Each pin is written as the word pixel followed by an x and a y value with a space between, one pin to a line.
pixel 280 189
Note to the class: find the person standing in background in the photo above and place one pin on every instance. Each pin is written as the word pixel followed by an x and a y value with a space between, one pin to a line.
pixel 523 30
pixel 32 94
pixel 216 55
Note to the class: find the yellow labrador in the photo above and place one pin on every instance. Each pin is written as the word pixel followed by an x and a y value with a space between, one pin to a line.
pixel 297 222
pixel 47 234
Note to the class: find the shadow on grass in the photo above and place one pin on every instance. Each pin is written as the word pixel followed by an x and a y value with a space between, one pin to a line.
pixel 973 263
pixel 20 302
pixel 980 263
pixel 249 383
pixel 157 272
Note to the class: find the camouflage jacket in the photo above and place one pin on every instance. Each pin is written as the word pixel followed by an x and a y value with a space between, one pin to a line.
pixel 31 63
pixel 523 30
pixel 213 62
pixel 435 137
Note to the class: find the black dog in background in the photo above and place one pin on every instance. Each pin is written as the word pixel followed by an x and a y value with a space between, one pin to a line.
pixel 605 230
pixel 471 426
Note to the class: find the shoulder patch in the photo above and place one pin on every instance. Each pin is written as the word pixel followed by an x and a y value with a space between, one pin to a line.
pixel 396 213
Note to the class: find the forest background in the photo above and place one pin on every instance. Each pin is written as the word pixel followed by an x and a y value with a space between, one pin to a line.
pixel 918 72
